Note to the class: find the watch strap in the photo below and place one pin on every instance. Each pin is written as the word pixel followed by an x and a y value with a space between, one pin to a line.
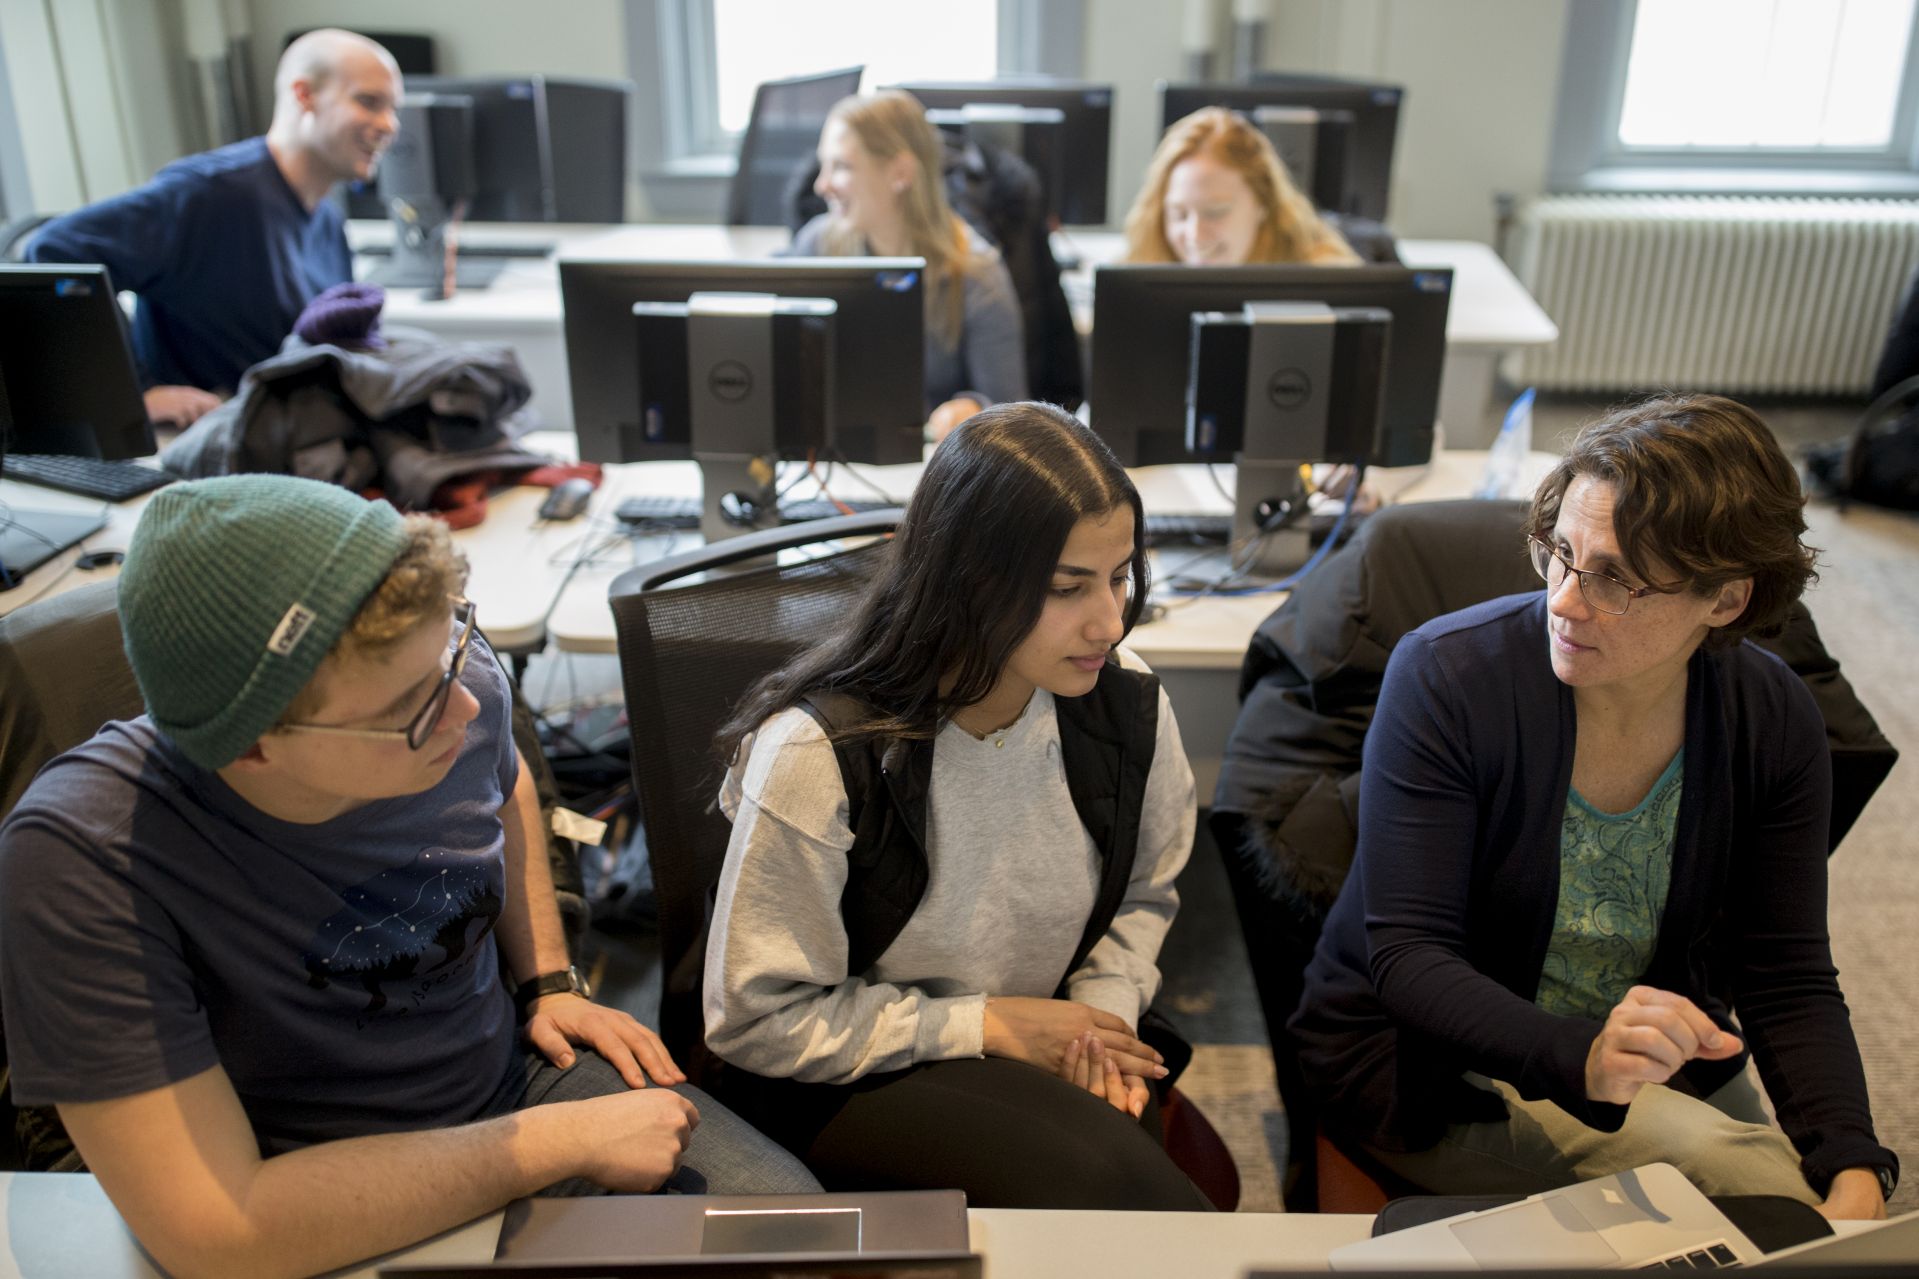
pixel 562 982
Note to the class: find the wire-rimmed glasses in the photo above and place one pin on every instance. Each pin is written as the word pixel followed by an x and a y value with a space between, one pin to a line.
pixel 1604 592
pixel 420 728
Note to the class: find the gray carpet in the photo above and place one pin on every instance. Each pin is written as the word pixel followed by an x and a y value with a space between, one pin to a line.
pixel 1867 607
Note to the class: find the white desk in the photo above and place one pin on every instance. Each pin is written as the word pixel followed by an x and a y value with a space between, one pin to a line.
pixel 516 562
pixel 61 1225
pixel 1491 312
pixel 521 307
pixel 1491 315
pixel 519 569
pixel 1195 646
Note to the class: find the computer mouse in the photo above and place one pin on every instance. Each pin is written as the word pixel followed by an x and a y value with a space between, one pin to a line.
pixel 568 500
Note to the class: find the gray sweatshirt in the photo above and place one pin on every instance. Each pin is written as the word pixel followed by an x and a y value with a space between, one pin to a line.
pixel 1012 879
pixel 988 361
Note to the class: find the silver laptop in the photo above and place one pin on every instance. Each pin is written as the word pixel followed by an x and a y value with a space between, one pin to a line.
pixel 1642 1218
pixel 637 1227
pixel 1889 1243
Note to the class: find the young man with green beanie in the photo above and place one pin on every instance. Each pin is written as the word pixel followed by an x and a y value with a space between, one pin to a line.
pixel 251 941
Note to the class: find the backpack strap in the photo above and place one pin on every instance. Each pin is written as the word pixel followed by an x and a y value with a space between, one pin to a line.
pixel 1106 744
pixel 886 866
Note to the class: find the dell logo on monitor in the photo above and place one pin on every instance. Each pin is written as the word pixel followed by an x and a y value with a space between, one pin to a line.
pixel 730 380
pixel 1289 388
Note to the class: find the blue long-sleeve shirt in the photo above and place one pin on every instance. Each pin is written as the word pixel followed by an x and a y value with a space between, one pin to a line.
pixel 1431 956
pixel 222 255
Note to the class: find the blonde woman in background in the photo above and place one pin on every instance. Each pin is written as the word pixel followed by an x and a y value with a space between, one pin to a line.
pixel 880 178
pixel 1217 194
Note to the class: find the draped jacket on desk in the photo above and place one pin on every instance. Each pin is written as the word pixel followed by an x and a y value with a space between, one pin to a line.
pixel 1431 956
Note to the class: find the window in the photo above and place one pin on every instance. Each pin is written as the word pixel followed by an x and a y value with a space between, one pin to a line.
pixel 1817 88
pixel 755 40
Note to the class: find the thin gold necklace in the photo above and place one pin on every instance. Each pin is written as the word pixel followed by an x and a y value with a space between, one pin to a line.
pixel 997 734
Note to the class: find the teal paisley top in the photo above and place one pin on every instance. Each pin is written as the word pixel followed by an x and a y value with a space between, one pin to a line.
pixel 1614 871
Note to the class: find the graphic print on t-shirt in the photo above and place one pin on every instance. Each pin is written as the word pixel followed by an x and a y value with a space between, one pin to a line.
pixel 407 926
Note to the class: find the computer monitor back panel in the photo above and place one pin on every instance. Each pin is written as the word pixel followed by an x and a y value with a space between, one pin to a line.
pixel 545 149
pixel 586 132
pixel 1086 132
pixel 878 348
pixel 71 387
pixel 780 140
pixel 1375 127
pixel 1142 318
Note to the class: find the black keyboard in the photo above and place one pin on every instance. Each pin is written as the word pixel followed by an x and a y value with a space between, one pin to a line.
pixel 1214 529
pixel 477 249
pixel 661 512
pixel 684 512
pixel 1715 1256
pixel 818 508
pixel 87 476
pixel 1174 529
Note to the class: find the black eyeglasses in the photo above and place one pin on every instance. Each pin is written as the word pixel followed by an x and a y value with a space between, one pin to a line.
pixel 421 726
pixel 1605 593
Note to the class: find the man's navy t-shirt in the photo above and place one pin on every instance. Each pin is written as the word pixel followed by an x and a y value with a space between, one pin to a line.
pixel 153 924
pixel 222 254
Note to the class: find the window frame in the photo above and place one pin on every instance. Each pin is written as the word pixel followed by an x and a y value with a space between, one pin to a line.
pixel 1588 156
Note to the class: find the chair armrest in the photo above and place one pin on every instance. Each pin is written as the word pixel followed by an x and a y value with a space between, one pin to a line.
pixel 749 546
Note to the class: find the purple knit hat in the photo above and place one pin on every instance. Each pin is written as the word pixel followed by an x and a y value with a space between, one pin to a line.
pixel 345 315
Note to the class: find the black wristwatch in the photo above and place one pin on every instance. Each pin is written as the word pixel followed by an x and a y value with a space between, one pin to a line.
pixel 566 981
pixel 1887 1182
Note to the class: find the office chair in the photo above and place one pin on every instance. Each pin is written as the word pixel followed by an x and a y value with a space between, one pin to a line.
pixel 1286 813
pixel 782 131
pixel 15 235
pixel 65 673
pixel 687 654
pixel 688 651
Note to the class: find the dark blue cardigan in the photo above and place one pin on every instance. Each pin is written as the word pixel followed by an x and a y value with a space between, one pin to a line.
pixel 1431 956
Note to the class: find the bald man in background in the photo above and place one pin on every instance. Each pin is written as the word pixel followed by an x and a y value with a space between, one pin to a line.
pixel 225 248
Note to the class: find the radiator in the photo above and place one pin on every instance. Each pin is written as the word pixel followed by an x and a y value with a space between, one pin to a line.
pixel 1714 293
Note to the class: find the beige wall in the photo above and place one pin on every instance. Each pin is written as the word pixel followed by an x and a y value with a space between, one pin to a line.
pixel 1480 75
pixel 1481 80
pixel 471 37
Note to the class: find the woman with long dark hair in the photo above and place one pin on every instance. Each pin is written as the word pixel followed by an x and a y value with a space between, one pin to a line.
pixel 956 826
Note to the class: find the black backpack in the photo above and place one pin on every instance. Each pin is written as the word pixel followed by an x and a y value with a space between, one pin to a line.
pixel 1880 462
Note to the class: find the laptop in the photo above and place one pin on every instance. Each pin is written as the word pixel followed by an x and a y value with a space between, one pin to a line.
pixel 1648 1217
pixel 1894 1242
pixel 919 1265
pixel 637 1227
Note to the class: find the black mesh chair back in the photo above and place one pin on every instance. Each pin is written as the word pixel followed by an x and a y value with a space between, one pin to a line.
pixel 782 132
pixel 689 649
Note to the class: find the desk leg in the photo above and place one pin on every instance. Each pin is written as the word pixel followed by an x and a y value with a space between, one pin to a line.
pixel 1465 399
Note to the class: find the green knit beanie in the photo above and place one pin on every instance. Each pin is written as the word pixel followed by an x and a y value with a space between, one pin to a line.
pixel 234 589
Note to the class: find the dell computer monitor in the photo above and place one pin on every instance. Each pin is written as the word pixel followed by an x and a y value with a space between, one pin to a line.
pixel 878 349
pixel 1142 336
pixel 1085 141
pixel 545 148
pixel 67 386
pixel 1375 125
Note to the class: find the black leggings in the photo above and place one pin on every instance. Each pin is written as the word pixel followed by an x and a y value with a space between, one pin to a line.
pixel 1008 1134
